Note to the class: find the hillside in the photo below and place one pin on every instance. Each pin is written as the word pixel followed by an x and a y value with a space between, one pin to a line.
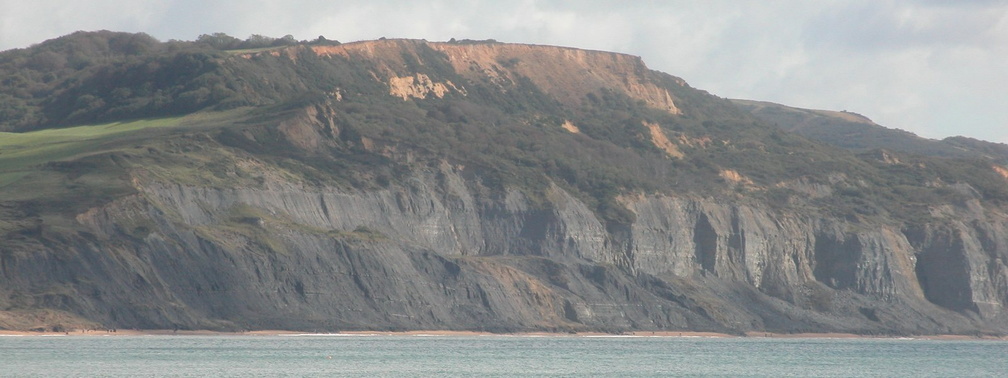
pixel 407 184
pixel 855 132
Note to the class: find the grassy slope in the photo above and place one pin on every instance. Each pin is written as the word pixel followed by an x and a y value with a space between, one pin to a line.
pixel 21 153
pixel 49 176
pixel 24 153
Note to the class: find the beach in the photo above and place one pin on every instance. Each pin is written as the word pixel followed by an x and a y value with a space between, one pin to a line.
pixel 457 333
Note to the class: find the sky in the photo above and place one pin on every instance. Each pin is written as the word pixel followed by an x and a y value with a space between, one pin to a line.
pixel 935 68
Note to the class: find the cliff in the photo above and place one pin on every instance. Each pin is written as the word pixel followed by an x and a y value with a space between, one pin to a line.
pixel 429 255
pixel 488 186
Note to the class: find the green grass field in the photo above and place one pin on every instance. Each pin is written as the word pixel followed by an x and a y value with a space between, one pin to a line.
pixel 19 151
pixel 23 153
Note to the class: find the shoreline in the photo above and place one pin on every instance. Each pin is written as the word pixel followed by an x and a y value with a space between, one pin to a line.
pixel 443 333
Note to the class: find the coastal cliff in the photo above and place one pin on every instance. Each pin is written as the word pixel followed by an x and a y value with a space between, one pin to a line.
pixel 435 255
pixel 496 187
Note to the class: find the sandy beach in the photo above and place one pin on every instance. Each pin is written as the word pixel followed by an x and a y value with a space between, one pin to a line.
pixel 752 334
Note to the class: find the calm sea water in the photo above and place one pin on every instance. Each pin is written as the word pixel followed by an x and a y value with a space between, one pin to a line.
pixel 495 356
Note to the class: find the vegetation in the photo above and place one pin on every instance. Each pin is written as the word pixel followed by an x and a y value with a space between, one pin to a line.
pixel 91 77
pixel 861 135
pixel 192 112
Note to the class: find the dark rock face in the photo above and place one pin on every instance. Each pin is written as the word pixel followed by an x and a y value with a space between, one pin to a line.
pixel 435 255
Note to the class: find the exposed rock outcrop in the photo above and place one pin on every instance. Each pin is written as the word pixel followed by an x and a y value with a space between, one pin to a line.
pixel 419 86
pixel 433 254
pixel 661 141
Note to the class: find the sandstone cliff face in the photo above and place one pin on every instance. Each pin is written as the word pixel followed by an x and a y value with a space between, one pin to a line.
pixel 578 73
pixel 564 73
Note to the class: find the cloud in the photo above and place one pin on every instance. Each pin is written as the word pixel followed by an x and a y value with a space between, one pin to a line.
pixel 864 27
pixel 27 22
pixel 932 67
pixel 929 68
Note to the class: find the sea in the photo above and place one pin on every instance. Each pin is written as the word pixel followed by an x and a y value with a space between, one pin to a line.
pixel 495 356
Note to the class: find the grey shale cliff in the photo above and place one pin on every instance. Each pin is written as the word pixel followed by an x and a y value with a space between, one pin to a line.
pixel 429 255
pixel 440 246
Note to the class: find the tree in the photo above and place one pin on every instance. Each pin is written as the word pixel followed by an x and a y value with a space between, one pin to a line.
pixel 219 41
